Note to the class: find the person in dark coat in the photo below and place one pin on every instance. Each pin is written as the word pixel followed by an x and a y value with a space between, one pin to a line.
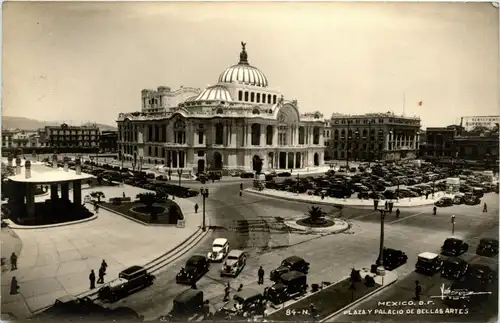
pixel 14 287
pixel 104 265
pixel 241 186
pixel 418 290
pixel 13 261
pixel 434 210
pixel 240 288
pixel 101 275
pixel 261 276
pixel 427 195
pixel 375 204
pixel 124 195
pixel 227 290
pixel 193 285
pixel 196 208
pixel 397 213
pixel 241 192
pixel 485 208
pixel 92 279
pixel 386 205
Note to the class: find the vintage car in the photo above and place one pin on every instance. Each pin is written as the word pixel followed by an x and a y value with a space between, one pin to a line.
pixel 394 258
pixel 428 263
pixel 444 201
pixel 246 303
pixel 488 247
pixel 454 247
pixel 481 274
pixel 195 268
pixel 220 248
pixel 472 200
pixel 235 261
pixel 185 306
pixel 458 199
pixel 454 268
pixel 289 264
pixel 129 280
pixel 290 285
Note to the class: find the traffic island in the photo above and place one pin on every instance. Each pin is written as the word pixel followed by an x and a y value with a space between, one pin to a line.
pixel 330 225
pixel 333 299
pixel 166 213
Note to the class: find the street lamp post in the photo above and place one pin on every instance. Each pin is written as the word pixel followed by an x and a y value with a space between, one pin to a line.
pixel 381 269
pixel 204 194
pixel 179 172
pixel 453 225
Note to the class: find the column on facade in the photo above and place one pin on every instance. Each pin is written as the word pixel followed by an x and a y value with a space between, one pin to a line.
pixel 387 140
pixel 296 140
pixel 77 193
pixel 140 134
pixel 321 137
pixel 263 132
pixel 275 136
pixel 65 191
pixel 286 160
pixel 30 199
pixel 153 134
pixel 178 156
pixel 234 138
pixel 249 134
pixel 311 141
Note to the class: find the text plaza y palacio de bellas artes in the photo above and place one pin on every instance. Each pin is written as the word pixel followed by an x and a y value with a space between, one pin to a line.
pixel 228 125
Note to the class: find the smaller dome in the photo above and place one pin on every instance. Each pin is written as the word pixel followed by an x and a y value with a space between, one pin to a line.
pixel 214 93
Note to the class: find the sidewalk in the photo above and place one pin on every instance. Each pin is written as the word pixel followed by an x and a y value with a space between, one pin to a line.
pixel 352 201
pixel 56 261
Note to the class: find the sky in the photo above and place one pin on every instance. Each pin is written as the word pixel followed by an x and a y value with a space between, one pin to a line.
pixel 88 61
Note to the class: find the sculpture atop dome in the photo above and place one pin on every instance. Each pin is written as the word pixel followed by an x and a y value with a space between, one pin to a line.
pixel 243 54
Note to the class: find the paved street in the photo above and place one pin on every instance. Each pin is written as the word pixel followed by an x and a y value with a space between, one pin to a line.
pixel 331 256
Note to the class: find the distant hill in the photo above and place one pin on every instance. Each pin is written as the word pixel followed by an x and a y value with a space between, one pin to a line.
pixel 31 124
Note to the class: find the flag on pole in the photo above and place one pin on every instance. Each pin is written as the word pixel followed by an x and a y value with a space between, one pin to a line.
pixel 420 103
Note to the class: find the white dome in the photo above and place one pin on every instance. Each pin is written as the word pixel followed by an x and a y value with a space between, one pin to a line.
pixel 214 93
pixel 243 72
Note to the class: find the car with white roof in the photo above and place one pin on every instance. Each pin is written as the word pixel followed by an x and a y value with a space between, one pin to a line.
pixel 428 263
pixel 220 249
pixel 235 261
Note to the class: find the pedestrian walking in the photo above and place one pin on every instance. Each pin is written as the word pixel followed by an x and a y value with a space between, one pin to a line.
pixel 101 275
pixel 96 208
pixel 434 210
pixel 92 279
pixel 397 213
pixel 260 274
pixel 241 192
pixel 386 205
pixel 485 208
pixel 240 288
pixel 391 205
pixel 418 290
pixel 241 186
pixel 427 195
pixel 13 261
pixel 375 204
pixel 227 289
pixel 313 311
pixel 196 208
pixel 124 195
pixel 14 286
pixel 104 265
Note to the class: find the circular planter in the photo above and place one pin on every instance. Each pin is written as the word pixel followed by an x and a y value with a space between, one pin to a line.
pixel 325 223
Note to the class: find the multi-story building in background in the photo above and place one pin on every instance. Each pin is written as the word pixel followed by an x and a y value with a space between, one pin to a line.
pixel 108 141
pixel 439 142
pixel 232 124
pixel 68 138
pixel 472 122
pixel 373 136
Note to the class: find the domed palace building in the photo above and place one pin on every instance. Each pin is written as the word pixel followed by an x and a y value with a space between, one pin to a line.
pixel 229 125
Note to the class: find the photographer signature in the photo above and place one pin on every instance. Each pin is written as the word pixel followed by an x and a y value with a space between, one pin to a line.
pixel 447 292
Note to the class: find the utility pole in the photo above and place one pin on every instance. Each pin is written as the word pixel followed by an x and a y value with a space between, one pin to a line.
pixel 381 269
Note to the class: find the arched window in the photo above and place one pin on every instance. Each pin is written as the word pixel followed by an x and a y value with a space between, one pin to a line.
pixel 365 133
pixel 219 134
pixel 258 97
pixel 180 132
pixel 316 136
pixel 252 97
pixel 269 135
pixel 269 98
pixel 301 135
pixel 246 96
pixel 263 98
pixel 240 95
pixel 255 134
pixel 150 132
pixel 274 99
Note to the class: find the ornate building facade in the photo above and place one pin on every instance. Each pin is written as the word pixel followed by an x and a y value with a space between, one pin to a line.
pixel 373 136
pixel 229 125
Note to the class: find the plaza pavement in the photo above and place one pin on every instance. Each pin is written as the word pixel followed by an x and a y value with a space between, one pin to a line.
pixel 352 201
pixel 56 261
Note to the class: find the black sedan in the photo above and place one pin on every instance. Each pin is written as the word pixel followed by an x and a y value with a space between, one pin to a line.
pixel 488 247
pixel 481 274
pixel 454 268
pixel 444 201
pixel 454 247
pixel 196 267
pixel 394 258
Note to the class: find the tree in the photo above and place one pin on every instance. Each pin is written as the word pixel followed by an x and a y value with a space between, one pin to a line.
pixel 98 195
pixel 161 194
pixel 148 199
pixel 316 214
